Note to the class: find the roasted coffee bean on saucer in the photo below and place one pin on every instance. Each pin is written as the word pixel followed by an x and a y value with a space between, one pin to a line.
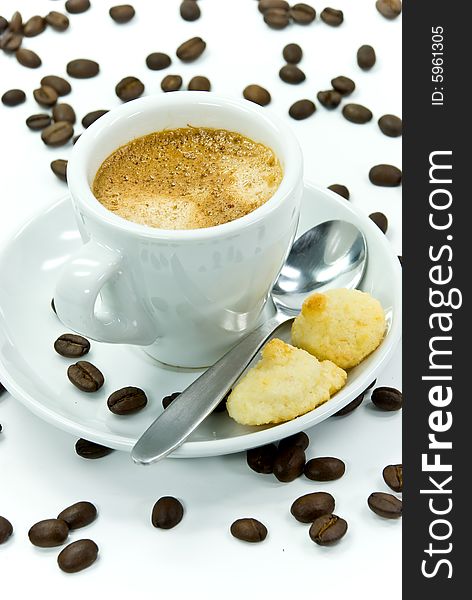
pixel 126 401
pixel 249 530
pixel 167 513
pixel 49 533
pixel 71 345
pixel 328 529
pixel 78 515
pixel 385 505
pixel 257 94
pixel 85 376
pixel 77 556
pixel 393 477
pixel 339 189
pixel 91 450
pixel 261 459
pixel 122 13
pixel 6 529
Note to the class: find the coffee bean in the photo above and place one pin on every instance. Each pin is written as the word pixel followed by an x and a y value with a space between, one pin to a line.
pixel 199 83
pixel 75 138
pixel 38 122
pixel 16 22
pixel 127 400
pixel 387 398
pixel 341 190
pixel 129 88
pixel 167 513
pixel 34 26
pixel 297 440
pixel 385 176
pixel 309 507
pixel 3 24
pixel 385 505
pixel 6 529
pixel 57 134
pixel 328 529
pixel 64 112
pixel 292 74
pixel 71 345
pixel 391 125
pixel 49 533
pixel 380 220
pixel 303 14
pixel 45 96
pixel 332 16
pixel 91 450
pixel 59 168
pixel 57 20
pixel 324 469
pixel 302 109
pixel 393 477
pixel 329 98
pixel 189 10
pixel 122 13
pixel 371 385
pixel 191 49
pixel 156 61
pixel 265 5
pixel 351 407
pixel 82 68
pixel 249 530
pixel 292 53
pixel 261 460
pixel 257 94
pixel 10 42
pixel 171 83
pixel 168 399
pixel 277 18
pixel 356 113
pixel 13 97
pixel 390 9
pixel 76 7
pixel 77 556
pixel 91 117
pixel 366 57
pixel 60 85
pixel 78 515
pixel 289 463
pixel 343 85
pixel 85 376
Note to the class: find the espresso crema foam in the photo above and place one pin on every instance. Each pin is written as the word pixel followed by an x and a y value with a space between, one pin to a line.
pixel 187 178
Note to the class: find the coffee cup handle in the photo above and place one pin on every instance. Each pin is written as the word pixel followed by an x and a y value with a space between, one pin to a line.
pixel 79 285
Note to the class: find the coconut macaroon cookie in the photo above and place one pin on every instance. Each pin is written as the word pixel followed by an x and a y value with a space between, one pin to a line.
pixel 341 325
pixel 287 382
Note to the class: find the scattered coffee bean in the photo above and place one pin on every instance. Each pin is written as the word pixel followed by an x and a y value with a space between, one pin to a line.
pixel 75 7
pixel 167 513
pixel 329 98
pixel 171 83
pixel 13 97
pixel 302 109
pixel 85 376
pixel 59 168
pixel 75 138
pixel 71 345
pixel 57 134
pixel 64 112
pixel 387 398
pixel 380 220
pixel 292 53
pixel 303 14
pixel 343 85
pixel 249 530
pixel 270 4
pixel 309 507
pixel 34 26
pixel 38 122
pixel 199 83
pixel 277 18
pixel 168 399
pixel 45 96
pixel 91 117
pixel 292 74
pixel 82 68
pixel 393 477
pixel 49 533
pixel 191 49
pixel 122 13
pixel 3 24
pixel 127 400
pixel 16 22
pixel 324 469
pixel 391 125
pixel 341 190
pixel 77 556
pixel 257 94
pixel 189 10
pixel 390 9
pixel 129 88
pixel 385 176
pixel 57 20
pixel 60 85
pixel 332 16
pixel 156 61
pixel 261 460
pixel 10 42
pixel 385 505
pixel 371 385
pixel 91 450
pixel 356 113
pixel 297 440
pixel 351 407
pixel 366 57
pixel 78 515
pixel 289 463
pixel 328 529
pixel 6 529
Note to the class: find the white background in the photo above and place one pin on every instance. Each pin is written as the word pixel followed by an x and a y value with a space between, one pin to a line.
pixel 40 473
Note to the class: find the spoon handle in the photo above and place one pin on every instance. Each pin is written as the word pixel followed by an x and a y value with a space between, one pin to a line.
pixel 193 405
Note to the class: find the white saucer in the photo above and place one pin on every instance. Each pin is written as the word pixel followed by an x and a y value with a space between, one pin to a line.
pixel 34 374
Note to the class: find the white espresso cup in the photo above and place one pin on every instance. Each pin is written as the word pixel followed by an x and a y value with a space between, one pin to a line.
pixel 186 296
